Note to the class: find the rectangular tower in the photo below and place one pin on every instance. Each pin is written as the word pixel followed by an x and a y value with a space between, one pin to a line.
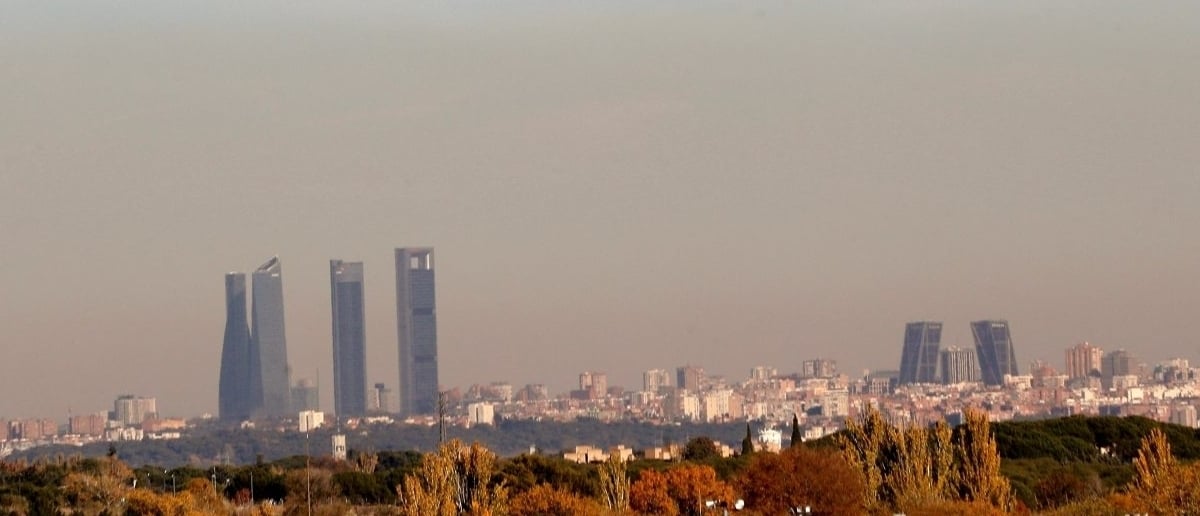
pixel 919 358
pixel 416 330
pixel 1083 360
pixel 655 380
pixel 994 351
pixel 349 338
pixel 958 366
pixel 268 337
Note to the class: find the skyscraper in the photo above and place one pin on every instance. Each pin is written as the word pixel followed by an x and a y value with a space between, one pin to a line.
pixel 349 338
pixel 268 340
pixel 958 365
pixel 235 399
pixel 416 330
pixel 994 351
pixel 1082 360
pixel 919 358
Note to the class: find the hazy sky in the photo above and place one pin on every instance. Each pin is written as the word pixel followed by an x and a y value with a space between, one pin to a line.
pixel 610 186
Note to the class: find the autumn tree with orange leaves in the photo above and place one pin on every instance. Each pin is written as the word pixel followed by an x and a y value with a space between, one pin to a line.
pixel 680 490
pixel 775 483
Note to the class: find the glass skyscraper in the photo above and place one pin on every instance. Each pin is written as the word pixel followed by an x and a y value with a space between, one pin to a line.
pixel 254 367
pixel 269 341
pixel 235 397
pixel 349 338
pixel 994 351
pixel 416 329
pixel 919 358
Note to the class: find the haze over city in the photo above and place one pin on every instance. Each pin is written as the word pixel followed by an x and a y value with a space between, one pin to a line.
pixel 611 187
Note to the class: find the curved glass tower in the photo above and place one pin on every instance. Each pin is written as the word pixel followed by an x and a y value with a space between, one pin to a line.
pixel 235 396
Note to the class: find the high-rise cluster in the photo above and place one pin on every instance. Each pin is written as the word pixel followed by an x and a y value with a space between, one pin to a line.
pixel 254 372
pixel 254 369
pixel 923 361
pixel 416 328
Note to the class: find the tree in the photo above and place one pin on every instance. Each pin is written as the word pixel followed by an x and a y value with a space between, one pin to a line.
pixel 979 477
pixel 796 438
pixel 691 485
pixel 1160 484
pixel 799 477
pixel 747 442
pixel 1059 488
pixel 102 490
pixel 614 483
pixel 456 479
pixel 648 495
pixel 861 444
pixel 910 479
pixel 546 500
pixel 699 449
pixel 941 452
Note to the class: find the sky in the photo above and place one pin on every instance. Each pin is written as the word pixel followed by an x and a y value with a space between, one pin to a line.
pixel 609 186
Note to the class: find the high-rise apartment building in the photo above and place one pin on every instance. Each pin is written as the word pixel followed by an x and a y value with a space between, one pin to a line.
pixel 416 329
pixel 349 338
pixel 1116 363
pixel 919 358
pixel 818 368
pixel 593 385
pixel 131 410
pixel 269 342
pixel 655 380
pixel 958 365
pixel 236 400
pixel 994 351
pixel 88 424
pixel 689 378
pixel 763 373
pixel 1083 360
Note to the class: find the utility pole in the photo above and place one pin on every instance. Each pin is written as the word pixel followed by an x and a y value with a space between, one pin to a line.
pixel 441 417
pixel 307 474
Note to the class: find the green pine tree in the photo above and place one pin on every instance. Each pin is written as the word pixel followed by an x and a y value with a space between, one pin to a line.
pixel 796 439
pixel 747 442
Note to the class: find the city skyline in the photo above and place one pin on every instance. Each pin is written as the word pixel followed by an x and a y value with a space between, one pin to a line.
pixel 606 184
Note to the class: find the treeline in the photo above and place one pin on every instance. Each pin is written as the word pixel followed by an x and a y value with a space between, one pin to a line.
pixel 214 444
pixel 1090 439
pixel 873 467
